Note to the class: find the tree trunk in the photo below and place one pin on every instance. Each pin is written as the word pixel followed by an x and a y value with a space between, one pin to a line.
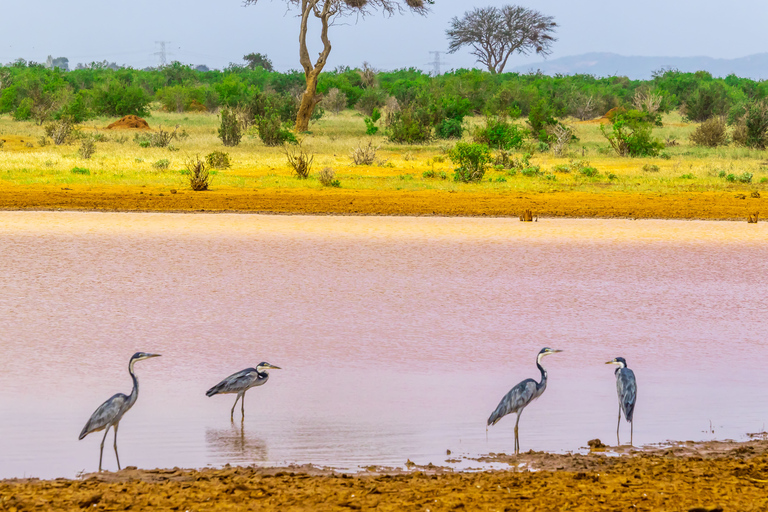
pixel 308 101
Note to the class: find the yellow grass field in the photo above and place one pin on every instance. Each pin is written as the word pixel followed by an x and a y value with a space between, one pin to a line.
pixel 689 183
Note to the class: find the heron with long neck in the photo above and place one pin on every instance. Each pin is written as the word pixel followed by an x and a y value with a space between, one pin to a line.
pixel 626 388
pixel 241 382
pixel 111 412
pixel 521 395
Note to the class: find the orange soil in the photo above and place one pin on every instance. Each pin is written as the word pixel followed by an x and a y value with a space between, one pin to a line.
pixel 129 123
pixel 695 478
pixel 605 204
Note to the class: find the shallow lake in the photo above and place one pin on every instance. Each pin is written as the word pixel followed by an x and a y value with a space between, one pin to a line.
pixel 397 336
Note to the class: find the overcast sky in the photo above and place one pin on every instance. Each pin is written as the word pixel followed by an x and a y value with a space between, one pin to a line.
pixel 217 32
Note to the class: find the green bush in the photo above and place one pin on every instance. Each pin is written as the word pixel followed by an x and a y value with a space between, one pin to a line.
pixel 370 122
pixel 499 133
pixel 218 160
pixel 630 134
pixel 24 111
pixel 230 130
pixel 449 129
pixel 162 164
pixel 80 170
pixel 541 119
pixel 274 132
pixel 409 126
pixel 472 160
pixel 752 128
pixel 370 99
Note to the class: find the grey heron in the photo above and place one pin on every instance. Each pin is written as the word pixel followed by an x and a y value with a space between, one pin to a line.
pixel 626 388
pixel 521 395
pixel 111 412
pixel 241 382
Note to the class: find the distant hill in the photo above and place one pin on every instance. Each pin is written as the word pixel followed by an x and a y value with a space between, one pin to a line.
pixel 641 68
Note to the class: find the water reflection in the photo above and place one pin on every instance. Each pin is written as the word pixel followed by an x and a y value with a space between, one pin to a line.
pixel 235 445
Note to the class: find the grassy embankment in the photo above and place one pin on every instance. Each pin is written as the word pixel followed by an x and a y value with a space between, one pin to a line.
pixel 122 176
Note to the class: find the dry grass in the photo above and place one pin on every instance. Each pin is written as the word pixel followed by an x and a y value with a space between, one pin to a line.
pixel 119 161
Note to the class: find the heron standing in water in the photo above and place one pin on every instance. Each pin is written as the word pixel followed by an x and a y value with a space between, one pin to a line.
pixel 626 387
pixel 241 382
pixel 111 412
pixel 522 395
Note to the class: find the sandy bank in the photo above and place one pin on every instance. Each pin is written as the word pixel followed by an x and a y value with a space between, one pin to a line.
pixel 700 205
pixel 688 476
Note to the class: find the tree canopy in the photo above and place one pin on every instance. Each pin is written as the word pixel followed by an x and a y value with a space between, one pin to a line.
pixel 494 34
pixel 326 11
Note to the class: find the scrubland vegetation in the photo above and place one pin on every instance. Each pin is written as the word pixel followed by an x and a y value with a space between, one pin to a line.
pixel 465 131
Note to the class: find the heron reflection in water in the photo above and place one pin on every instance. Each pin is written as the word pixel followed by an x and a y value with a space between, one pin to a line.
pixel 234 445
pixel 241 382
pixel 111 412
pixel 521 395
pixel 626 388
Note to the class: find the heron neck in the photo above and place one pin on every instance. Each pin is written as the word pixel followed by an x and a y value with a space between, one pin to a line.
pixel 135 391
pixel 543 373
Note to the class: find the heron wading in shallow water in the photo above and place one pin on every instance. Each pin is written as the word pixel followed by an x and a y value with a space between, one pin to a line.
pixel 626 388
pixel 522 395
pixel 111 412
pixel 241 382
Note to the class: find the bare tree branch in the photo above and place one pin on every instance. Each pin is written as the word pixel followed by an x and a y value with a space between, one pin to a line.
pixel 494 34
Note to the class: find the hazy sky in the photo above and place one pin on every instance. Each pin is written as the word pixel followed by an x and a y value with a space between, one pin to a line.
pixel 216 32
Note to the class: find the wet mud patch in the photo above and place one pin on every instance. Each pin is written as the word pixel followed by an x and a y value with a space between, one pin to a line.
pixel 706 476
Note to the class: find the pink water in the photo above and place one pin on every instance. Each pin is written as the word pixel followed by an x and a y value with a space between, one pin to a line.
pixel 398 336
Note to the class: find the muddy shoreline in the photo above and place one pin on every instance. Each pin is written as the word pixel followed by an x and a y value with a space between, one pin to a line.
pixel 682 476
pixel 607 204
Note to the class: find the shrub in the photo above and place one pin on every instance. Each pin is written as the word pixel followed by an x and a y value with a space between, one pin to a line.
pixel 60 131
pixel 561 137
pixel 409 126
pixel 630 134
pixel 274 132
pixel 299 160
pixel 24 111
pixel 589 172
pixel 364 155
pixel 752 128
pixel 651 168
pixel 87 148
pixel 371 99
pixel 328 178
pixel 162 164
pixel 80 170
pixel 334 100
pixel 499 133
pixel 541 119
pixel 199 178
pixel 449 129
pixel 230 130
pixel 472 160
pixel 218 160
pixel 370 122
pixel 531 171
pixel 162 138
pixel 711 133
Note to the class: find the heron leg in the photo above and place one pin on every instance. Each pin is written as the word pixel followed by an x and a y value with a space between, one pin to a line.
pixel 232 413
pixel 242 407
pixel 517 439
pixel 618 425
pixel 101 450
pixel 116 455
pixel 631 432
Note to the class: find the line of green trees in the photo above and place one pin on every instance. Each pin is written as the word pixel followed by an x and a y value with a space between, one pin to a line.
pixel 31 91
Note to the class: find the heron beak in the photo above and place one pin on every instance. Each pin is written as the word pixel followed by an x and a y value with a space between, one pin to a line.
pixel 555 350
pixel 274 367
pixel 151 355
pixel 610 362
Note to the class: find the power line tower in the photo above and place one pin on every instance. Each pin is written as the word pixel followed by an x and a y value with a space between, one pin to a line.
pixel 163 53
pixel 436 62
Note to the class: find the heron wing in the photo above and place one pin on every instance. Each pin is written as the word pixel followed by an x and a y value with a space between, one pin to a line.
pixel 514 401
pixel 235 383
pixel 626 387
pixel 105 414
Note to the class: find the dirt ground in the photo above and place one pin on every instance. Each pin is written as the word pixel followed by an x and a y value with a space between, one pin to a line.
pixel 690 476
pixel 606 204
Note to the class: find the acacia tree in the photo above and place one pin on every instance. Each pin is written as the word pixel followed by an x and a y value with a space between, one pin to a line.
pixel 326 12
pixel 255 60
pixel 495 33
